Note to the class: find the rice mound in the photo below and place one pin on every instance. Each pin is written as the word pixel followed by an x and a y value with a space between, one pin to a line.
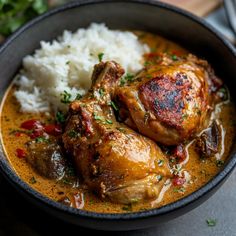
pixel 66 64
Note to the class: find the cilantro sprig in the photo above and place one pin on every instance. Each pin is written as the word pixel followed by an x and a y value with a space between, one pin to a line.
pixel 15 13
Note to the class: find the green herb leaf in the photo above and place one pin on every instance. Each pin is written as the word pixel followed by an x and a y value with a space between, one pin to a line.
pixel 211 222
pixel 128 77
pixel 32 180
pixel 60 117
pixel 101 92
pixel 174 57
pixel 96 117
pixel 220 163
pixel 109 122
pixel 127 207
pixel 179 190
pixel 78 96
pixel 160 162
pixel 66 97
pixel 115 107
pixel 159 177
pixel 72 134
pixel 41 139
pixel 100 56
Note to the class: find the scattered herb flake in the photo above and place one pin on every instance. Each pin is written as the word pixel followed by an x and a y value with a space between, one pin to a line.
pixel 60 117
pixel 159 177
pixel 66 97
pixel 127 207
pixel 32 180
pixel 78 96
pixel 100 56
pixel 115 107
pixel 211 222
pixel 96 117
pixel 109 121
pixel 101 92
pixel 174 57
pixel 72 134
pixel 160 162
pixel 179 190
pixel 66 181
pixel 220 163
pixel 121 129
pixel 41 139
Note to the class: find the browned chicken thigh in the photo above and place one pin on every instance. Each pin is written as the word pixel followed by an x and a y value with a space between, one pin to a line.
pixel 113 160
pixel 170 100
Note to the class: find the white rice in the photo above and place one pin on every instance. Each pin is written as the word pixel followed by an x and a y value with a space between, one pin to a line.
pixel 66 64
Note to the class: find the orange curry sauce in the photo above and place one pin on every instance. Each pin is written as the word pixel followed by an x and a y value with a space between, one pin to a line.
pixel 199 170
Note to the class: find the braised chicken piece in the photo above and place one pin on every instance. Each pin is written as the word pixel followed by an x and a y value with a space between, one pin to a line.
pixel 115 162
pixel 170 100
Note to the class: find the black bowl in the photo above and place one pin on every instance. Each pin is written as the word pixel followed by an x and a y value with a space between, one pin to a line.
pixel 171 22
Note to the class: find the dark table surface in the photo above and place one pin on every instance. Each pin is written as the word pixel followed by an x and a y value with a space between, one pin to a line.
pixel 19 217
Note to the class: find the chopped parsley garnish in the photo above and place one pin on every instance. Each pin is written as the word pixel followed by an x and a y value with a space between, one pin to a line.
pixel 121 129
pixel 66 181
pixel 174 57
pixel 220 163
pixel 128 77
pixel 147 63
pixel 211 222
pixel 114 106
pixel 32 180
pixel 68 62
pixel 41 139
pixel 78 96
pixel 72 133
pixel 60 117
pixel 176 169
pixel 101 92
pixel 109 122
pixel 100 56
pixel 159 177
pixel 96 117
pixel 179 190
pixel 66 97
pixel 127 207
pixel 160 162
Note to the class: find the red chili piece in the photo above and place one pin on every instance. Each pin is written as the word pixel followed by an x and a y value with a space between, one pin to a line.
pixel 178 181
pixel 31 124
pixel 53 129
pixel 20 153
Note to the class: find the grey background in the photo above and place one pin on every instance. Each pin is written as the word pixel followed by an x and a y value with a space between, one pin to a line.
pixel 19 217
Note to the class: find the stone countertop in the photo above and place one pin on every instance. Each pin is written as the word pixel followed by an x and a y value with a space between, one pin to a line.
pixel 19 217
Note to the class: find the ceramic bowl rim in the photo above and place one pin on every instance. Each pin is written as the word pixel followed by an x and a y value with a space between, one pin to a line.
pixel 218 179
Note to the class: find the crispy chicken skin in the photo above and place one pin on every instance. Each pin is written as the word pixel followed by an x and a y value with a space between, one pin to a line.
pixel 114 161
pixel 170 100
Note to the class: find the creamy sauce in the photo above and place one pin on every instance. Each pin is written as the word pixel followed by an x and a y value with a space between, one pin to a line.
pixel 197 171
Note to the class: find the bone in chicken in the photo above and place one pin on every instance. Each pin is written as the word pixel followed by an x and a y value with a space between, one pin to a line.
pixel 114 161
